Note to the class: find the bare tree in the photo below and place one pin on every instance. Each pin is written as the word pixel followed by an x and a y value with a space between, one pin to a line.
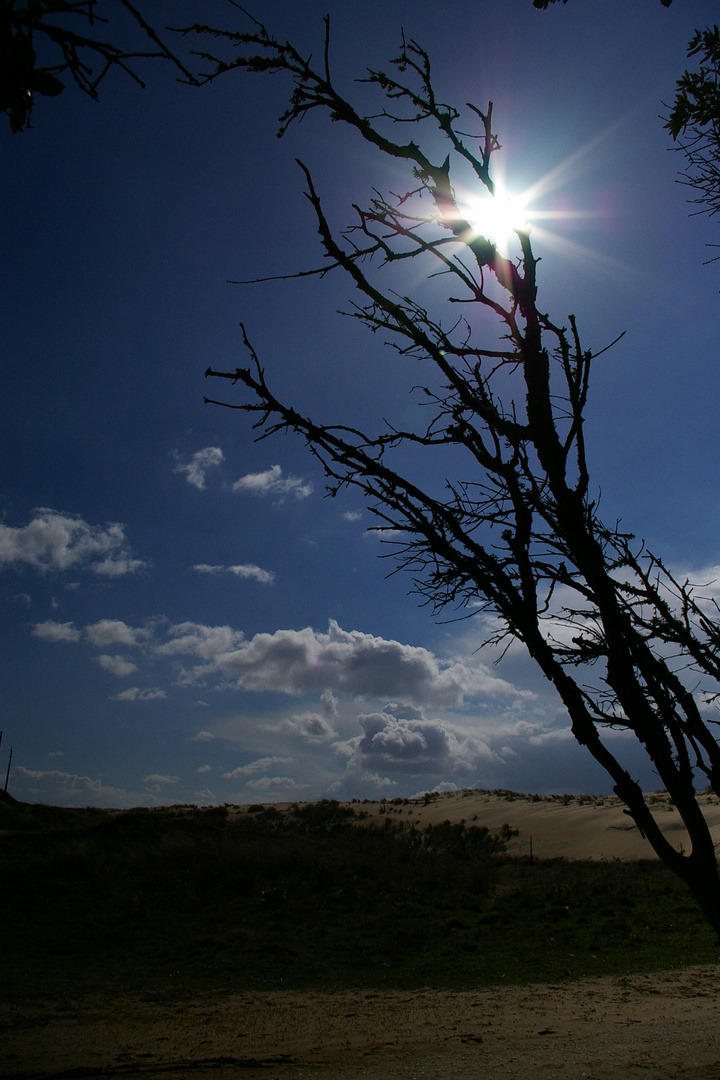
pixel 515 533
pixel 65 32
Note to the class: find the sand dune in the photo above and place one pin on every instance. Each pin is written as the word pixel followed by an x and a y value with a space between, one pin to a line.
pixel 557 826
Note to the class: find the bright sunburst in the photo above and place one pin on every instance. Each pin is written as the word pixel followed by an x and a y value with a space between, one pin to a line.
pixel 497 217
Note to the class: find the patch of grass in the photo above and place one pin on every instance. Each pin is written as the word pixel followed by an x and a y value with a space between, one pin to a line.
pixel 193 901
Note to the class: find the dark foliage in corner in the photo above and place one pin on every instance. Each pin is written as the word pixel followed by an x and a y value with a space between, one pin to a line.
pixel 66 34
pixel 694 121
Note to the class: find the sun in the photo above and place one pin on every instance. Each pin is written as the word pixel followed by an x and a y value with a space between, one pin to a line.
pixel 497 217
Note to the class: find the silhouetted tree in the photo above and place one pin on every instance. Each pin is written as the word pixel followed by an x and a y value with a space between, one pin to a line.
pixel 515 532
pixel 694 122
pixel 52 27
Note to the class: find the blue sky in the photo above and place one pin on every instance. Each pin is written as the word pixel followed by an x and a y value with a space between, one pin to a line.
pixel 185 616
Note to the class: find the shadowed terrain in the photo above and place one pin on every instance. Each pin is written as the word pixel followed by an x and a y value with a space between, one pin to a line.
pixel 320 895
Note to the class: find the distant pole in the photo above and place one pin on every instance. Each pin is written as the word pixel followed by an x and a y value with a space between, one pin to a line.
pixel 7 774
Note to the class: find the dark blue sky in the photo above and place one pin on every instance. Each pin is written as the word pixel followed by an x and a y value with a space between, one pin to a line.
pixel 184 616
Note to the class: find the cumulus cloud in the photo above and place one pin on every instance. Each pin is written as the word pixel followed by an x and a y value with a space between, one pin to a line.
pixel 55 541
pixel 399 739
pixel 204 769
pixel 157 779
pixel 305 661
pixel 272 482
pixel 56 631
pixel 196 469
pixel 135 693
pixel 113 632
pixel 202 736
pixel 116 665
pixel 247 571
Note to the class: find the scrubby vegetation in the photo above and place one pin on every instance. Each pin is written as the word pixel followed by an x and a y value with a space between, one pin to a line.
pixel 318 896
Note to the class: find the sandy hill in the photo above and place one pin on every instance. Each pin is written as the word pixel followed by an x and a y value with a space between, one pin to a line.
pixel 559 826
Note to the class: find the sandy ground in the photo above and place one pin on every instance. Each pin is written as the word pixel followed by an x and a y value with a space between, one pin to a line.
pixel 570 827
pixel 659 1027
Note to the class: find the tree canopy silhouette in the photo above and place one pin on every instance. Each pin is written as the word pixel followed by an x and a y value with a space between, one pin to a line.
pixel 66 33
pixel 515 534
pixel 694 121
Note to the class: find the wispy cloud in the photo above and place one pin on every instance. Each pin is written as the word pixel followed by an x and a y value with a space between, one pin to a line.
pixel 247 571
pixel 260 765
pixel 272 482
pixel 135 693
pixel 55 541
pixel 275 784
pixel 196 469
pixel 69 789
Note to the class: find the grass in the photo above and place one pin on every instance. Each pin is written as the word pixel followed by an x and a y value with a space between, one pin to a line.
pixel 156 903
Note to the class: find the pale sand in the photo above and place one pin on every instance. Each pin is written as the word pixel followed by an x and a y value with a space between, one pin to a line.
pixel 579 827
pixel 662 1026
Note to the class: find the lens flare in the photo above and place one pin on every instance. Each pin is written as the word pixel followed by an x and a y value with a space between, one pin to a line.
pixel 497 217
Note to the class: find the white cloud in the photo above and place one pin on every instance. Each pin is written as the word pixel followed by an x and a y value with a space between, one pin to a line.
pixel 208 458
pixel 202 736
pixel 116 665
pixel 247 571
pixel 204 642
pixel 399 739
pixel 156 779
pixel 305 661
pixel 260 765
pixel 352 515
pixel 272 482
pixel 310 726
pixel 58 541
pixel 55 631
pixel 68 789
pixel 113 632
pixel 554 735
pixel 135 693
pixel 274 783
pixel 204 769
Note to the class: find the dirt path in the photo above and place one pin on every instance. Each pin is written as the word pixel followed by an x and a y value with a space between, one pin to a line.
pixel 658 1027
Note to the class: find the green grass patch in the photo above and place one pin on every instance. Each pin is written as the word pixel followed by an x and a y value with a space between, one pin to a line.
pixel 155 902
